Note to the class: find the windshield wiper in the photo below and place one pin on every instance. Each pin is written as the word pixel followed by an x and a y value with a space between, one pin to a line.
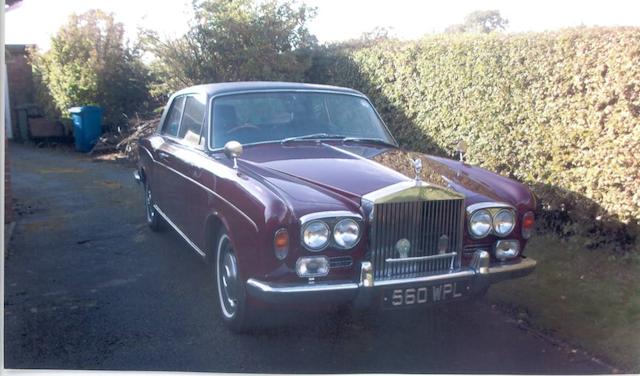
pixel 370 140
pixel 311 137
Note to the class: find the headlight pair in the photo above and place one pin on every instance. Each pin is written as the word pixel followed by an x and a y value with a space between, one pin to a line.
pixel 316 234
pixel 500 221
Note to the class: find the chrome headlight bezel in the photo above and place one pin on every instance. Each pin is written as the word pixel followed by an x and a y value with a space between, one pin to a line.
pixel 494 209
pixel 331 219
pixel 340 243
pixel 322 226
pixel 512 216
pixel 488 221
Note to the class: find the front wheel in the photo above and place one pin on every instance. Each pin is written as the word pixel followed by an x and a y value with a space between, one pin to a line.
pixel 232 297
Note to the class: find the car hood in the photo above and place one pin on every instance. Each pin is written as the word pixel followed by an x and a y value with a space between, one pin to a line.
pixel 323 171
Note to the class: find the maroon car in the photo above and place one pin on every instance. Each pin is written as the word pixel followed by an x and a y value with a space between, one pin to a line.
pixel 281 187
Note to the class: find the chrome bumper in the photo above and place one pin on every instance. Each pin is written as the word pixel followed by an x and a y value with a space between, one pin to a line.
pixel 479 272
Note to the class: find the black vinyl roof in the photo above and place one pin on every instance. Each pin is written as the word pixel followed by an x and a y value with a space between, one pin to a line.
pixel 244 86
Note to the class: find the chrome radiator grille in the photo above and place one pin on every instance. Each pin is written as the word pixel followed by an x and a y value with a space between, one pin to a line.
pixel 431 228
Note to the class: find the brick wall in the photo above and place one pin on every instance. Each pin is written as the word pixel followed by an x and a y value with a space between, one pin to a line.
pixel 20 80
pixel 21 92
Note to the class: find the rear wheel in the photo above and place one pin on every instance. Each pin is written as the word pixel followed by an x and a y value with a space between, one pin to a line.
pixel 232 297
pixel 153 218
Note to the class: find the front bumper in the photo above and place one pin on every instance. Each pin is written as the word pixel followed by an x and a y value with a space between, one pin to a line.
pixel 480 274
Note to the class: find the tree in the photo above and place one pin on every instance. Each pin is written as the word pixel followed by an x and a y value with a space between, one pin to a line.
pixel 231 40
pixel 89 63
pixel 480 21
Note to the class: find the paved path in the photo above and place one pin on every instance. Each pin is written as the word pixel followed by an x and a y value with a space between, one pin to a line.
pixel 88 286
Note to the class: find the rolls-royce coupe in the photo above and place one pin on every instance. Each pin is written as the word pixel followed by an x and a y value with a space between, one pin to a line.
pixel 287 191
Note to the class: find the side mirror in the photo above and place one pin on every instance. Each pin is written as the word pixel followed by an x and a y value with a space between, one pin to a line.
pixel 461 148
pixel 233 150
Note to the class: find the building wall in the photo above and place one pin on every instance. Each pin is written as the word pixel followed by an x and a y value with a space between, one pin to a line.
pixel 20 80
pixel 21 92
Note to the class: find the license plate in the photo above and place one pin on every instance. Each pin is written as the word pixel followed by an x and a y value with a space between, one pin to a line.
pixel 426 294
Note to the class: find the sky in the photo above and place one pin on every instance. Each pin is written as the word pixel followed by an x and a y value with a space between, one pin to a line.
pixel 35 21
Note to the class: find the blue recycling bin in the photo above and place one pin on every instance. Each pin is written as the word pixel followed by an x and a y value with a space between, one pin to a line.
pixel 87 126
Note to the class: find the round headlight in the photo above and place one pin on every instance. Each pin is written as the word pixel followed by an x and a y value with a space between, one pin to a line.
pixel 346 233
pixel 315 235
pixel 503 222
pixel 480 223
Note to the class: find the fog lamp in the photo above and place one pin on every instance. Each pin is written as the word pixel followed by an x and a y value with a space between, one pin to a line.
pixel 507 249
pixel 313 266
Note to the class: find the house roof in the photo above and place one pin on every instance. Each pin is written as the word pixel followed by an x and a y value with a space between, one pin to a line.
pixel 9 3
pixel 18 48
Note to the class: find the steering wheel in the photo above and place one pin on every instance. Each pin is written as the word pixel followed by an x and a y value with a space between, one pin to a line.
pixel 241 127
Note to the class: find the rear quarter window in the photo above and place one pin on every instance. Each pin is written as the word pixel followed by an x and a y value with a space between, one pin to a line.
pixel 172 122
pixel 192 120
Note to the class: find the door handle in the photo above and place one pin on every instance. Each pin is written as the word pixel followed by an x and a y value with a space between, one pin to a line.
pixel 163 155
pixel 197 173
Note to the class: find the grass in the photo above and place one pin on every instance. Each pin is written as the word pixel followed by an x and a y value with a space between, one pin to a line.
pixel 587 297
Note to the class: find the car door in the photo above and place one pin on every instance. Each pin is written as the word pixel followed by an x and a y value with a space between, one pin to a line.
pixel 189 158
pixel 166 189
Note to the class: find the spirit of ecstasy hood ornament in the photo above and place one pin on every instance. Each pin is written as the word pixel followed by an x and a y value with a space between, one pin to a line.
pixel 417 166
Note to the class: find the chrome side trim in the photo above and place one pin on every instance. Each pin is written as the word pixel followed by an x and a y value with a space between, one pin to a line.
pixel 192 244
pixel 255 226
pixel 288 289
pixel 410 190
pixel 147 150
pixel 328 214
pixel 422 258
pixel 464 273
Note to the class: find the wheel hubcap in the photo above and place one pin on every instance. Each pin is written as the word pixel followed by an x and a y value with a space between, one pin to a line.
pixel 227 278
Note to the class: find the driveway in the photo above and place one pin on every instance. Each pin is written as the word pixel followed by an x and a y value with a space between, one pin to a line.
pixel 89 286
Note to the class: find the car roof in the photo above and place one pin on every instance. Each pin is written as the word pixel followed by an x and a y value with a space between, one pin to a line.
pixel 244 86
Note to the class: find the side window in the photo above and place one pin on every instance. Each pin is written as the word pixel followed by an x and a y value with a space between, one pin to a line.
pixel 172 122
pixel 192 120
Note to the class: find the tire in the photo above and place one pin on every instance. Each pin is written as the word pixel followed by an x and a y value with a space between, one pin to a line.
pixel 153 217
pixel 234 310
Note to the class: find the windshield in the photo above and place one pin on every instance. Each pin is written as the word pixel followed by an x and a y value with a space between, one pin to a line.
pixel 268 116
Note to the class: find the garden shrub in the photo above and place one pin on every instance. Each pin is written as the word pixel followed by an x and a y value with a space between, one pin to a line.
pixel 559 111
pixel 89 62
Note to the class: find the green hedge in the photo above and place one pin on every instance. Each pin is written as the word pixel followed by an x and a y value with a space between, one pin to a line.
pixel 559 111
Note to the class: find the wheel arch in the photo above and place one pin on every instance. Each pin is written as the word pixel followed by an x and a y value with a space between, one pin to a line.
pixel 214 223
pixel 244 245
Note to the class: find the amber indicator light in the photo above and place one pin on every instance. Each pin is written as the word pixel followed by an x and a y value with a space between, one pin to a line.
pixel 281 239
pixel 528 221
